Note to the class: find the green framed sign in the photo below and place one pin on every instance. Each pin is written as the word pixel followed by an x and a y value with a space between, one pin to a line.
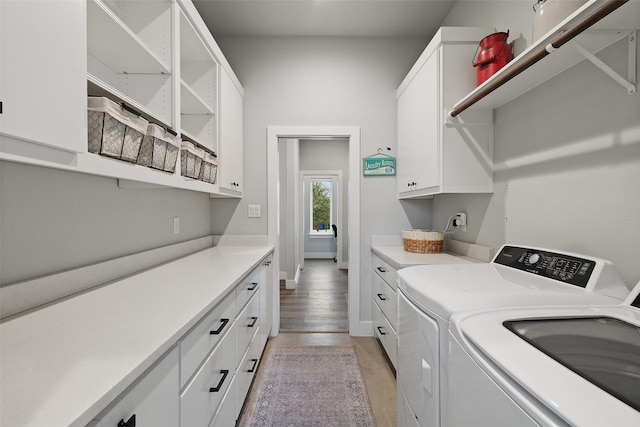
pixel 379 166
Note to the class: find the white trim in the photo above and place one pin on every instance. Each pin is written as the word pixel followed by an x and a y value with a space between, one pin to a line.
pixel 356 326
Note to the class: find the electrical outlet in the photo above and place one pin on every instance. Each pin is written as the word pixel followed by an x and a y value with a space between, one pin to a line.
pixel 176 225
pixel 460 221
pixel 254 211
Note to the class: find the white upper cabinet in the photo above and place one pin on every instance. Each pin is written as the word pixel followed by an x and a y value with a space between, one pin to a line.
pixel 434 155
pixel 155 57
pixel 198 87
pixel 43 73
pixel 231 140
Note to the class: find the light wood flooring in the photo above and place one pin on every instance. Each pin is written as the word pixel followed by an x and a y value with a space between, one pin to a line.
pixel 319 302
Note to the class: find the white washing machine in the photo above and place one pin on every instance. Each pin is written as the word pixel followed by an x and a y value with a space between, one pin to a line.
pixel 551 366
pixel 517 277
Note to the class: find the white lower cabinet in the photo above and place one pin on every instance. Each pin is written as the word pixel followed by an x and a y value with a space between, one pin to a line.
pixel 227 414
pixel 247 370
pixel 204 380
pixel 385 309
pixel 200 399
pixel 149 402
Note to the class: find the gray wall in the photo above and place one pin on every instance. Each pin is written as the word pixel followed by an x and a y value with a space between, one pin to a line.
pixel 289 197
pixel 51 220
pixel 567 158
pixel 324 81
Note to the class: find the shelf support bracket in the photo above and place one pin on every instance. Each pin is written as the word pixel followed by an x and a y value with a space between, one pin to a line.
pixel 630 82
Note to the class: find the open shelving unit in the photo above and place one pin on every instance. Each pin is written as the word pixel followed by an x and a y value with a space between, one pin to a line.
pixel 198 87
pixel 130 54
pixel 558 51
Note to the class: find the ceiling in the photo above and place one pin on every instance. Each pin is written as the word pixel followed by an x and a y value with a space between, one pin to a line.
pixel 357 18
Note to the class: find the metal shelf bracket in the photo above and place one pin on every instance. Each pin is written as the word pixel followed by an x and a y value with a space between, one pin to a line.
pixel 628 83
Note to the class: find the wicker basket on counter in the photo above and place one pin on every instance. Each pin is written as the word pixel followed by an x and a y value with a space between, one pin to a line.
pixel 422 241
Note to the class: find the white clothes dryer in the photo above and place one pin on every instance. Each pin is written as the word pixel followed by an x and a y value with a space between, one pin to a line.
pixel 551 366
pixel 516 277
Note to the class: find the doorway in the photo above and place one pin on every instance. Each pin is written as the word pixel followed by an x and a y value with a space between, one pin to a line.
pixel 351 135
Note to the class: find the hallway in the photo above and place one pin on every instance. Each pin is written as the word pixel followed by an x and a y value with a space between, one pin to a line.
pixel 319 303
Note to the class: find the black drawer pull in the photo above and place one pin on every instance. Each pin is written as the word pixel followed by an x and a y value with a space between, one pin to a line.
pixel 381 330
pixel 217 388
pixel 382 297
pixel 382 269
pixel 253 323
pixel 130 423
pixel 252 286
pixel 253 368
pixel 222 325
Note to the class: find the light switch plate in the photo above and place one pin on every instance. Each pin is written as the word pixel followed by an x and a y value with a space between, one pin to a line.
pixel 254 211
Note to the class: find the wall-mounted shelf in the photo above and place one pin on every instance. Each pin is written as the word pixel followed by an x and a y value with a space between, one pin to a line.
pixel 516 78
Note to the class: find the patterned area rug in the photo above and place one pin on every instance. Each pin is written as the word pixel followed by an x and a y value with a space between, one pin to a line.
pixel 310 387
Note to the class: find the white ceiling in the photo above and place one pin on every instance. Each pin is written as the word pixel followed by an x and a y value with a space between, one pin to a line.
pixel 365 18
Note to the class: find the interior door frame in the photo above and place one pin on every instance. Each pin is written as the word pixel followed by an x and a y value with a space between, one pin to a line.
pixel 352 133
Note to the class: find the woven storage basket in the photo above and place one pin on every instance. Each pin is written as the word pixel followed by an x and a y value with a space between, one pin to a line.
pixel 209 171
pixel 191 159
pixel 422 241
pixel 159 149
pixel 114 130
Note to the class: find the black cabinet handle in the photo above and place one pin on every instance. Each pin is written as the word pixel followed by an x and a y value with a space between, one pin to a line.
pixel 222 325
pixel 131 422
pixel 252 286
pixel 382 297
pixel 253 368
pixel 253 323
pixel 382 269
pixel 381 330
pixel 217 388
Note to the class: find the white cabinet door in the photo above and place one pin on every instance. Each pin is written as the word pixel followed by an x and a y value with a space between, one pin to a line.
pixel 231 139
pixel 43 72
pixel 418 130
pixel 153 401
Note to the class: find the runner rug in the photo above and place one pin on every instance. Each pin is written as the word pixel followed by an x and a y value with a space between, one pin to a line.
pixel 310 387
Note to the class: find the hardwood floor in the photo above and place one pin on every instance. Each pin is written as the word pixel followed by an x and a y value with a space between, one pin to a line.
pixel 319 303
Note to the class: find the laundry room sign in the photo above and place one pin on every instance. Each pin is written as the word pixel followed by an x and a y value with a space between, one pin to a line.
pixel 379 166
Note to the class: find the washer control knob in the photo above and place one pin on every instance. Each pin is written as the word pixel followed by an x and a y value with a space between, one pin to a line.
pixel 534 258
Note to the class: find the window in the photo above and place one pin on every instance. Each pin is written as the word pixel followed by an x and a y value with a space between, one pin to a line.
pixel 321 207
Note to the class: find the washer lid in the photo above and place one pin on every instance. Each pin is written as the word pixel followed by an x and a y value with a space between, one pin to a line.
pixel 540 383
pixel 447 289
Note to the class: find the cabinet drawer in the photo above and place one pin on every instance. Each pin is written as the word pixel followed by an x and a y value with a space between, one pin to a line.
pixel 385 271
pixel 386 334
pixel 247 288
pixel 226 415
pixel 195 346
pixel 248 322
pixel 202 396
pixel 247 370
pixel 153 400
pixel 386 298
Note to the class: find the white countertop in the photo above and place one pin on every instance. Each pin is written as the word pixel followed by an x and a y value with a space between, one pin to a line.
pixel 63 364
pixel 398 258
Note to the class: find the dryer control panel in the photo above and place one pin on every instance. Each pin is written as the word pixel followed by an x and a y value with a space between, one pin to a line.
pixel 565 268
